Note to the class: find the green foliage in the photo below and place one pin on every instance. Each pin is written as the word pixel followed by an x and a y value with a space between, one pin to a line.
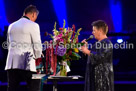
pixel 76 35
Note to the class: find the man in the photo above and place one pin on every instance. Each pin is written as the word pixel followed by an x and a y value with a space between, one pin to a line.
pixel 99 71
pixel 24 47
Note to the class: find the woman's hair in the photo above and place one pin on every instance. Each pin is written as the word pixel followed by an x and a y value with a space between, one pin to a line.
pixel 101 24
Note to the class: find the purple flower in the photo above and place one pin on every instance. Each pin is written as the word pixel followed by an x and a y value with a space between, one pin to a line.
pixel 60 50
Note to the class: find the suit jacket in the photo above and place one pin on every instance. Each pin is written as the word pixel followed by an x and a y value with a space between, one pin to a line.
pixel 24 45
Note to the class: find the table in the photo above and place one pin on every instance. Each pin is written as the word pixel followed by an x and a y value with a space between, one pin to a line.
pixel 55 79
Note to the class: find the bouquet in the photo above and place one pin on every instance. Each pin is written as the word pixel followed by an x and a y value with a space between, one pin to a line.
pixel 62 49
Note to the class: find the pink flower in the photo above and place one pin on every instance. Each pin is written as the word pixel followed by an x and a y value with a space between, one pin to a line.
pixel 59 37
pixel 61 40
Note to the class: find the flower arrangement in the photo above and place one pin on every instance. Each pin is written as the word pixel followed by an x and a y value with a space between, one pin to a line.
pixel 65 41
pixel 62 50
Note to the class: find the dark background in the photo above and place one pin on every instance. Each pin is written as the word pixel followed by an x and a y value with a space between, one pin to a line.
pixel 118 14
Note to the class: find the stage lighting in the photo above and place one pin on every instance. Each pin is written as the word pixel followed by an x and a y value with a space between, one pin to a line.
pixel 60 9
pixel 3 19
pixel 116 12
pixel 119 40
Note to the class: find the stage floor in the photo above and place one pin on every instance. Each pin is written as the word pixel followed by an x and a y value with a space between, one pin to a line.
pixel 76 86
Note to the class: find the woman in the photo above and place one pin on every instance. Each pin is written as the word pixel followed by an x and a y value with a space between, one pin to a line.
pixel 99 71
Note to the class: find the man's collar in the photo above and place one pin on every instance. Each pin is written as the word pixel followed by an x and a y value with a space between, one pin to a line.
pixel 26 17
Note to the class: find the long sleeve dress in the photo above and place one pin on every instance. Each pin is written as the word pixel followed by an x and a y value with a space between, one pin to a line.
pixel 99 69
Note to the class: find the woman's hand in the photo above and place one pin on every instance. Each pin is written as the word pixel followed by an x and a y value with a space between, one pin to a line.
pixel 85 48
pixel 85 43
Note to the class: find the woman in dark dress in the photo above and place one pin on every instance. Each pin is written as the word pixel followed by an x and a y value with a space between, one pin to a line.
pixel 99 70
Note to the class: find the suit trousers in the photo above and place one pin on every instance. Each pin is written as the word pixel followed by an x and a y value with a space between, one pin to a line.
pixel 15 76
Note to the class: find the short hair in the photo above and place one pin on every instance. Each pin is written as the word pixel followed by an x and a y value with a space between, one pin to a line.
pixel 31 9
pixel 101 24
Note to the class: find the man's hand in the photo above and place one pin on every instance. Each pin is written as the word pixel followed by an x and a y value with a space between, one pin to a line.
pixel 85 48
pixel 42 55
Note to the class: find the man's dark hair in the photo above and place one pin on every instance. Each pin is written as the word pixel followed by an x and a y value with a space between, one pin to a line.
pixel 101 24
pixel 31 9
